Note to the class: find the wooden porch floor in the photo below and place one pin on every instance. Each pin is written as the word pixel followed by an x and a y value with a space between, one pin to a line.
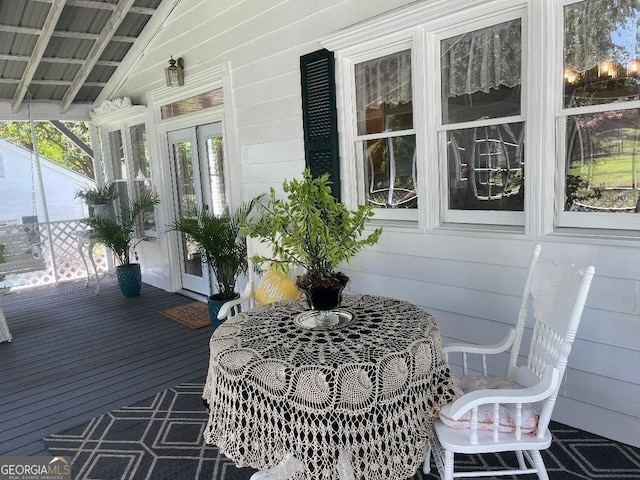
pixel 76 355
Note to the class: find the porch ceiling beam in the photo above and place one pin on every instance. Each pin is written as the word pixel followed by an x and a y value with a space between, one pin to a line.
pixel 103 6
pixel 73 137
pixel 67 60
pixel 38 50
pixel 64 34
pixel 107 33
pixel 9 81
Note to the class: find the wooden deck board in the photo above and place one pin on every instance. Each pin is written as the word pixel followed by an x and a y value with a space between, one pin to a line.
pixel 76 355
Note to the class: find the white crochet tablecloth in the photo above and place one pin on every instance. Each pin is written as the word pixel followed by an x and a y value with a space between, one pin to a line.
pixel 371 388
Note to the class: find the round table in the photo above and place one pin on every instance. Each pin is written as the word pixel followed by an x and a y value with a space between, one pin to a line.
pixel 368 390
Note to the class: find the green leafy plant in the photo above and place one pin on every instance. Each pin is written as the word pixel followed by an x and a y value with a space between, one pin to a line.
pixel 119 236
pixel 100 195
pixel 222 243
pixel 311 229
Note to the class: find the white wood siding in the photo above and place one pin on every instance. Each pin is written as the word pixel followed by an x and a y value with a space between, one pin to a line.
pixel 20 181
pixel 471 282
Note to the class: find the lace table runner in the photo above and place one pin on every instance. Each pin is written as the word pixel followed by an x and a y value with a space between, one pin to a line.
pixel 371 388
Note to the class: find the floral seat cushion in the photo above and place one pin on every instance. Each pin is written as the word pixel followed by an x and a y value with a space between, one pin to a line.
pixel 507 412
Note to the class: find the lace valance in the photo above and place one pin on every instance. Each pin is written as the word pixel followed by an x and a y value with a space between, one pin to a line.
pixel 482 60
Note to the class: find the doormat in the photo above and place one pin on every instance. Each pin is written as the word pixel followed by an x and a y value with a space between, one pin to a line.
pixel 193 315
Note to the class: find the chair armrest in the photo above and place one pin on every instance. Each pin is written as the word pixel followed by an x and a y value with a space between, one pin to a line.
pixel 470 403
pixel 538 392
pixel 231 307
pixel 482 350
pixel 499 347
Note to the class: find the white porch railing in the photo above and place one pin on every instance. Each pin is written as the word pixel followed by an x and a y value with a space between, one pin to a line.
pixel 61 255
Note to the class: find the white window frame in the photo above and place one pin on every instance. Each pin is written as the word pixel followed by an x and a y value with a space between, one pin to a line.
pixel 485 217
pixel 121 120
pixel 591 220
pixel 420 30
pixel 356 194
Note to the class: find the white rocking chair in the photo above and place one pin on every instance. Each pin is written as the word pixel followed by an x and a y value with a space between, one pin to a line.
pixel 493 414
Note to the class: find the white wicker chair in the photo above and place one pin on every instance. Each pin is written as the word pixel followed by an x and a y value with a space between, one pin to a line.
pixel 556 294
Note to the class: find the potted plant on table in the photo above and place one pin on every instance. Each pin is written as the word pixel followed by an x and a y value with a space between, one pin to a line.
pixel 223 248
pixel 120 237
pixel 100 199
pixel 311 229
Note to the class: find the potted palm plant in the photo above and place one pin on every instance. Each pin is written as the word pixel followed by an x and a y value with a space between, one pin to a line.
pixel 120 237
pixel 311 229
pixel 222 247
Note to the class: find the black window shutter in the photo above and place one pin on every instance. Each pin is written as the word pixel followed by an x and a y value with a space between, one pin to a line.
pixel 319 116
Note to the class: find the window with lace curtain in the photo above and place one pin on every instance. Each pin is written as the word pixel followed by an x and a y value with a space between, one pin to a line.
pixel 386 139
pixel 482 122
pixel 502 113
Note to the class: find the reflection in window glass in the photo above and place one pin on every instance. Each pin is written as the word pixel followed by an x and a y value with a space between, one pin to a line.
pixel 142 176
pixel 481 80
pixel 603 161
pixel 486 168
pixel 390 168
pixel 182 154
pixel 184 172
pixel 117 155
pixel 481 73
pixel 215 158
pixel 602 67
pixel 119 165
pixel 601 55
pixel 384 109
pixel 138 134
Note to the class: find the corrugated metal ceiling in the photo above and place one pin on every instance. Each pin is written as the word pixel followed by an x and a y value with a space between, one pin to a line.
pixel 65 51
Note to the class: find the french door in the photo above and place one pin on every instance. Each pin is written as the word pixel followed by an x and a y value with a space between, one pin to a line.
pixel 198 183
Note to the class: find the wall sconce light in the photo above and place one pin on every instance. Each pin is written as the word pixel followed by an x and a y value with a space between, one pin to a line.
pixel 175 73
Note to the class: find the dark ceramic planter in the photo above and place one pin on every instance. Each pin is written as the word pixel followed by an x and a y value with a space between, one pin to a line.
pixel 129 279
pixel 323 298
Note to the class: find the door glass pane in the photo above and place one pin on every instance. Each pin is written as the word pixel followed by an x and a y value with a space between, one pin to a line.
pixel 603 162
pixel 601 52
pixel 390 172
pixel 481 73
pixel 486 168
pixel 214 147
pixel 187 203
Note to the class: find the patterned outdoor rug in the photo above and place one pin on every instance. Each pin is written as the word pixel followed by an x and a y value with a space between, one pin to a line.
pixel 193 315
pixel 161 439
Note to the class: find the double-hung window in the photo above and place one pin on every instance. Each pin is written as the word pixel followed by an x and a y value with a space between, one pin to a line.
pixel 433 122
pixel 482 125
pixel 598 125
pixel 517 113
pixel 385 134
